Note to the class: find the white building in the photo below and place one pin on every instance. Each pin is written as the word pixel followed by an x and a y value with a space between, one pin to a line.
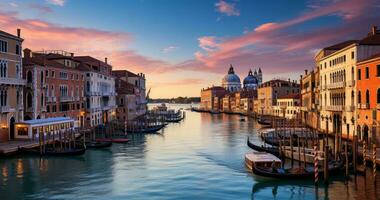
pixel 99 90
pixel 338 97
pixel 287 106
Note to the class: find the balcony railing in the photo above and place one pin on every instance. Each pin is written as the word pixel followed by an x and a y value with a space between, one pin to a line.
pixel 337 85
pixel 349 108
pixel 12 81
pixel 335 108
pixel 6 109
pixel 66 99
pixel 365 106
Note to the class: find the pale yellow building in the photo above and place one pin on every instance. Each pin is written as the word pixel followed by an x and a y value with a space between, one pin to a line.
pixel 12 83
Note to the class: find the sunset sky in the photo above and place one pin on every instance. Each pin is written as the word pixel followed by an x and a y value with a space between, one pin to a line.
pixel 185 45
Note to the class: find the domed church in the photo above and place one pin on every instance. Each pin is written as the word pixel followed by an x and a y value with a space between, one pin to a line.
pixel 231 81
pixel 250 82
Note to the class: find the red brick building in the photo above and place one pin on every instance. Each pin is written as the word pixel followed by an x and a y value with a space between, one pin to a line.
pixel 55 87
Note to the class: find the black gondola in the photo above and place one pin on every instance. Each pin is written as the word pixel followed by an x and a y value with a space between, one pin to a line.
pixel 272 150
pixel 51 152
pixel 98 144
pixel 153 129
pixel 174 120
pixel 264 122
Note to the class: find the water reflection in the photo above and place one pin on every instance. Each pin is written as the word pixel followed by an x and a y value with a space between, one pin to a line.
pixel 199 158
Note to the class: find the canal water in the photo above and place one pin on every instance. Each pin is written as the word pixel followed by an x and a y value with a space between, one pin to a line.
pixel 200 158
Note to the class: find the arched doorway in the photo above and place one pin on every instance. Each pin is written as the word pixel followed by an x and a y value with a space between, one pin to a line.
pixel 365 133
pixel 359 132
pixel 12 128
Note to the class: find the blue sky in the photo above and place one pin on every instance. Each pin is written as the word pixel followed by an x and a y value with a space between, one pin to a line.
pixel 184 45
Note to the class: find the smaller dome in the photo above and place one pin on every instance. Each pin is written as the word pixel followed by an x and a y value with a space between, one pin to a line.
pixel 231 77
pixel 250 79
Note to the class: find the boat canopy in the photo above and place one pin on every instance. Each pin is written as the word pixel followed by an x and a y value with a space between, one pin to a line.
pixel 261 157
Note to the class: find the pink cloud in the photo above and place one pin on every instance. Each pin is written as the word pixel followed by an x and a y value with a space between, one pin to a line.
pixel 41 35
pixel 40 8
pixel 208 43
pixel 169 49
pixel 228 9
pixel 274 45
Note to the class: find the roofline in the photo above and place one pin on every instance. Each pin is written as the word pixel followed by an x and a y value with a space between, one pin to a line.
pixel 11 36
pixel 339 51
pixel 368 60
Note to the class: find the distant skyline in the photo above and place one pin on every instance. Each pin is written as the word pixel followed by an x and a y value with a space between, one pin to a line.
pixel 183 46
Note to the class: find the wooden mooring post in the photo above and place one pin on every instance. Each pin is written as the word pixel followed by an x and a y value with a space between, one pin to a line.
pixel 355 152
pixel 325 165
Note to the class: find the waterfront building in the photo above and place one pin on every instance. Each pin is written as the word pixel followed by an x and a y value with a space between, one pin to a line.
pixel 268 92
pixel 338 96
pixel 244 101
pixel 309 102
pixel 100 106
pixel 288 106
pixel 368 106
pixel 12 83
pixel 210 95
pixel 55 87
pixel 231 81
pixel 131 97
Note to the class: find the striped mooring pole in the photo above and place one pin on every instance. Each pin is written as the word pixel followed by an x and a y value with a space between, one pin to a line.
pixel 364 154
pixel 316 165
pixel 125 127
pixel 374 162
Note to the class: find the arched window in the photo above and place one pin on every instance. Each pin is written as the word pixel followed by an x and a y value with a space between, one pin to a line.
pixel 378 96
pixel 42 99
pixel 29 100
pixel 367 97
pixel 359 97
pixel 42 77
pixel 29 77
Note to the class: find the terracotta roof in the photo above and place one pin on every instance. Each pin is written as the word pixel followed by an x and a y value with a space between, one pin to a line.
pixel 214 88
pixel 123 72
pixel 371 39
pixel 90 60
pixel 341 45
pixel 42 62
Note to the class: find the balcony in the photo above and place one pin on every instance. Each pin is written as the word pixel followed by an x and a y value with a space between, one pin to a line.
pixel 12 81
pixel 334 108
pixel 6 109
pixel 378 106
pixel 365 106
pixel 66 99
pixel 349 108
pixel 337 85
pixel 358 106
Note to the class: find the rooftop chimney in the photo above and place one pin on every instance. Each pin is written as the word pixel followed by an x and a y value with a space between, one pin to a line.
pixel 72 55
pixel 305 71
pixel 105 60
pixel 18 33
pixel 374 30
pixel 27 53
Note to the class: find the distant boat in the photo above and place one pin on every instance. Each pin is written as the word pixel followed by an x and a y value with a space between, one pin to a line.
pixel 98 144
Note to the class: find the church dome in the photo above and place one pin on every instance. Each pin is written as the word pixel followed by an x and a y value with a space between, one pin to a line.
pixel 231 77
pixel 231 81
pixel 250 79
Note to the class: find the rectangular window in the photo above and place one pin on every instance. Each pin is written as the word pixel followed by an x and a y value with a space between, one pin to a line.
pixel 359 74
pixel 18 52
pixel 352 55
pixel 378 70
pixel 53 74
pixel 3 46
pixel 63 75
pixel 367 73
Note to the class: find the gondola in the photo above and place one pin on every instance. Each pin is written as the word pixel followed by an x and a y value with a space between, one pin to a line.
pixel 264 122
pixel 112 140
pixel 147 130
pixel 51 152
pixel 271 150
pixel 98 144
pixel 265 164
pixel 174 120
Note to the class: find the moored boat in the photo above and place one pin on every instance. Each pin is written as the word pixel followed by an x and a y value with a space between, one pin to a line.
pixel 114 140
pixel 98 144
pixel 264 122
pixel 152 129
pixel 271 150
pixel 52 152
